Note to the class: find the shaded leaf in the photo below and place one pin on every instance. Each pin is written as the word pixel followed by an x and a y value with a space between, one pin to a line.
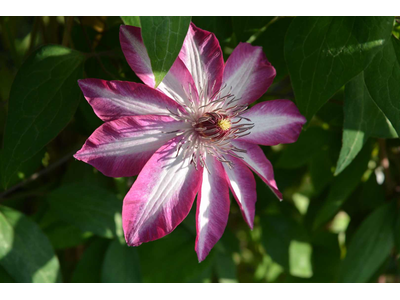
pixel 121 264
pixel 63 235
pixel 88 207
pixel 163 38
pixel 324 53
pixel 177 259
pixel 25 252
pixel 382 78
pixel 370 245
pixel 310 142
pixel 342 186
pixel 89 267
pixel 279 232
pixel 43 99
pixel 362 119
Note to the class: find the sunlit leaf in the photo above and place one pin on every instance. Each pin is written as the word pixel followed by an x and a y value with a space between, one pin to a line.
pixel 362 119
pixel 25 252
pixel 163 38
pixel 132 21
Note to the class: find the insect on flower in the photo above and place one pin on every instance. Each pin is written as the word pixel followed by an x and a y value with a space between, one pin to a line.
pixel 194 134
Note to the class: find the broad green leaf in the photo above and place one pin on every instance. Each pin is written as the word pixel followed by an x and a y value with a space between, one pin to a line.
pixel 382 78
pixel 89 267
pixel 362 119
pixel 324 53
pixel 88 207
pixel 370 245
pixel 343 185
pixel 163 38
pixel 43 99
pixel 132 21
pixel 121 264
pixel 25 252
pixel 174 255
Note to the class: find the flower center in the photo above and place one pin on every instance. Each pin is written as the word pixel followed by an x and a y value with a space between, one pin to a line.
pixel 224 124
pixel 213 126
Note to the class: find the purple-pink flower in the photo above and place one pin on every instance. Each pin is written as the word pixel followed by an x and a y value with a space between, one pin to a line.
pixel 194 134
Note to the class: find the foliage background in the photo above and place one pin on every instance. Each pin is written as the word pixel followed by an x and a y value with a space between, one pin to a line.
pixel 60 219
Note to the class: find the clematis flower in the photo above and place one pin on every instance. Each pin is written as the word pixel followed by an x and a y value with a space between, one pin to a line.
pixel 193 134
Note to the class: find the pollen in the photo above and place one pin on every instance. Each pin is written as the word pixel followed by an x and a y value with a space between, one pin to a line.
pixel 224 124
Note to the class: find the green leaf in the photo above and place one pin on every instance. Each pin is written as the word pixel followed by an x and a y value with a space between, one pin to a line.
pixel 370 245
pixel 89 267
pixel 25 252
pixel 177 259
pixel 63 235
pixel 362 119
pixel 43 99
pixel 324 53
pixel 382 78
pixel 88 207
pixel 163 38
pixel 121 264
pixel 132 21
pixel 342 186
pixel 300 259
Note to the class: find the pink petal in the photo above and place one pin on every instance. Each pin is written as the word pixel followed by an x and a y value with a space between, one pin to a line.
pixel 247 74
pixel 255 159
pixel 177 84
pixel 276 122
pixel 161 196
pixel 122 147
pixel 212 207
pixel 135 53
pixel 202 55
pixel 243 186
pixel 115 99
